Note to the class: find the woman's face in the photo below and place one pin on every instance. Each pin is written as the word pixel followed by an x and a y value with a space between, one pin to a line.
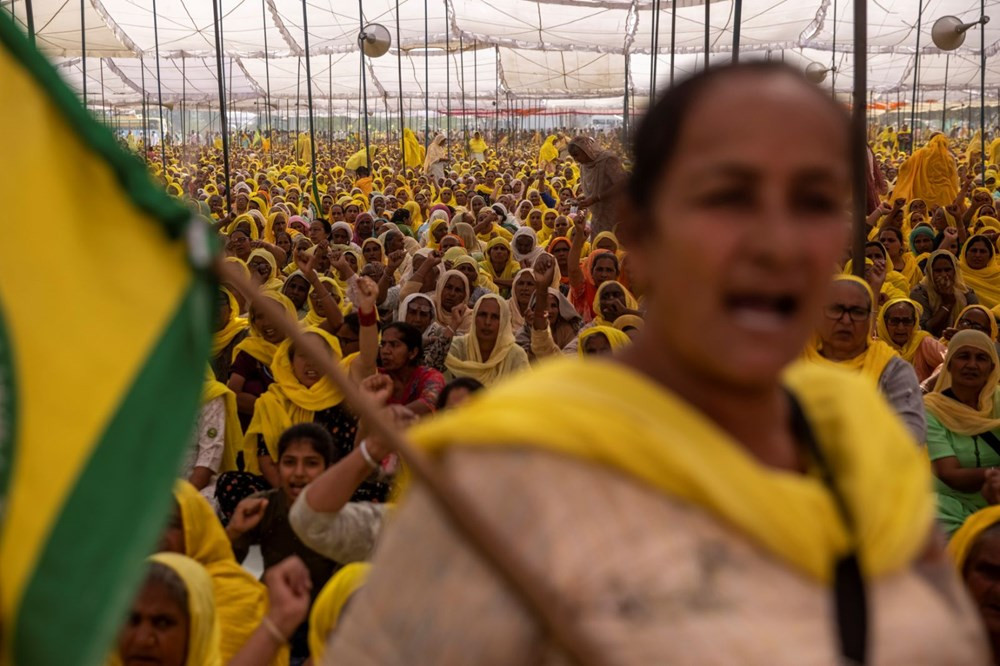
pixel 336 213
pixel 596 345
pixel 225 312
pixel 900 321
pixel 845 325
pixel 350 213
pixel 446 196
pixel 499 254
pixel 944 272
pixel 402 197
pixel 535 220
pixel 561 226
pixel 283 241
pixel 975 319
pixel 240 243
pixel 523 244
pixel 393 352
pixel 364 227
pixel 982 577
pixel 439 232
pixel 875 254
pixel 477 205
pixel 488 320
pixel 378 206
pixel 352 260
pixel 262 323
pixel 461 198
pixel 418 313
pixel 747 230
pixel 296 289
pixel 604 269
pixel 523 209
pixel 607 244
pixel 242 202
pixel 970 368
pixel 156 631
pixel 612 302
pixel 918 206
pixel 340 236
pixel 524 288
pixel 469 271
pixel 260 266
pixel 535 198
pixel 977 254
pixel 923 244
pixel 372 253
pixel 449 242
pixel 453 293
pixel 306 372
pixel 891 243
pixel 279 224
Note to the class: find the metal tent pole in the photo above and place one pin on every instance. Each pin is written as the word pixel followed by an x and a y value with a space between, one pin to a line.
pixel 859 164
pixel 267 79
pixel 309 98
pixel 461 80
pixel 104 106
pixel 496 92
pixel 364 88
pixel 982 89
pixel 159 91
pixel 738 18
pixel 708 26
pixel 298 93
pixel 145 112
pixel 447 79
pixel 222 101
pixel 30 15
pixel 833 55
pixel 673 38
pixel 944 103
pixel 427 79
pixel 916 76
pixel 83 47
pixel 399 72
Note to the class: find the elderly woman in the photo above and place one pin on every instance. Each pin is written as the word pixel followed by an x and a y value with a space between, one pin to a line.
pixel 942 293
pixel 975 550
pixel 843 339
pixel 897 327
pixel 980 270
pixel 963 426
pixel 488 352
pixel 706 445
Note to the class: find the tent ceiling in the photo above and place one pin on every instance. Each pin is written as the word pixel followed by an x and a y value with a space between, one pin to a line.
pixel 559 49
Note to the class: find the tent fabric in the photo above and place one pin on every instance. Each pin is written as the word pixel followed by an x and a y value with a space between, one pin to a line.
pixel 558 49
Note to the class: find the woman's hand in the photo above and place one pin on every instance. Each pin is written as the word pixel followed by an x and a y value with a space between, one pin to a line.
pixel 288 587
pixel 367 294
pixel 395 260
pixel 457 316
pixel 307 265
pixel 544 271
pixel 247 516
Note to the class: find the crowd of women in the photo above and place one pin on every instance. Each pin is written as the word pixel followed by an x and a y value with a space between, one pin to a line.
pixel 737 399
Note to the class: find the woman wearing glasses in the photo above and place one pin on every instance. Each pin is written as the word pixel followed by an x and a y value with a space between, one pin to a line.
pixel 844 338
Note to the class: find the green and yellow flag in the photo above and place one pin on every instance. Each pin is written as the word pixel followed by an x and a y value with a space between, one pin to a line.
pixel 105 325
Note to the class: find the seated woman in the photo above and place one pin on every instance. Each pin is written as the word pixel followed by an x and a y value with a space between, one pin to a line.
pixel 478 278
pixel 980 270
pixel 452 317
pixel 584 279
pixel 897 326
pixel 975 550
pixel 296 289
pixel 264 270
pixel 330 605
pixel 963 425
pixel 899 259
pixel 230 329
pixel 941 293
pixel 630 325
pixel 488 352
pixel 401 355
pixel 844 339
pixel 522 289
pixel 499 266
pixel 601 341
pixel 304 452
pixel 555 324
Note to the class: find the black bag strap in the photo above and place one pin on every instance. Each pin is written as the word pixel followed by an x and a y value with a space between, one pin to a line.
pixel 992 440
pixel 848 583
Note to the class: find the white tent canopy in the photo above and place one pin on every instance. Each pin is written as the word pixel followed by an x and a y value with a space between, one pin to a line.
pixel 497 49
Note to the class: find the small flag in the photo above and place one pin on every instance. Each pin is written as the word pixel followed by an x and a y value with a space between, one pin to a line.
pixel 105 325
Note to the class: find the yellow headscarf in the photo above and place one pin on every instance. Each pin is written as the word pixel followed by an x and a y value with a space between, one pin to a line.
pixel 630 302
pixel 548 152
pixel 615 337
pixel 928 283
pixel 312 317
pixel 203 636
pixel 959 417
pixel 269 227
pixel 465 359
pixel 509 270
pixel 330 604
pixel 255 344
pixel 273 283
pixel 250 222
pixel 909 351
pixel 432 243
pixel 984 281
pixel 872 361
pixel 287 402
pixel 676 450
pixel 233 327
pixel 416 217
pixel 965 538
pixel 930 174
pixel 240 599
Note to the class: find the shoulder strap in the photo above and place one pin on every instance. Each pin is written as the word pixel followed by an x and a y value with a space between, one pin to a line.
pixel 848 583
pixel 992 440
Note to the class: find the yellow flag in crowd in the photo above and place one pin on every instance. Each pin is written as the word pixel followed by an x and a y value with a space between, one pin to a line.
pixel 104 334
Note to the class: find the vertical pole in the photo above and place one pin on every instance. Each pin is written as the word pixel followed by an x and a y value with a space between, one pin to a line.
pixel 298 89
pixel 625 117
pixel 364 87
pixel 145 111
pixel 496 98
pixel 83 47
pixel 184 119
pixel 673 39
pixel 738 18
pixel 475 87
pixel 309 99
pixel 708 26
pixel 399 72
pixel 267 78
pixel 104 106
pixel 159 92
pixel 447 78
pixel 833 55
pixel 461 80
pixel 30 15
pixel 859 160
pixel 982 89
pixel 329 72
pixel 427 82
pixel 654 51
pixel 222 101
pixel 916 77
pixel 944 103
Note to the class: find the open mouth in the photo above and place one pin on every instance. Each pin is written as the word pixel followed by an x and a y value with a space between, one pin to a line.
pixel 764 313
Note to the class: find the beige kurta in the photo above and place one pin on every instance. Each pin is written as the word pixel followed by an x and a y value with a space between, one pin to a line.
pixel 656 581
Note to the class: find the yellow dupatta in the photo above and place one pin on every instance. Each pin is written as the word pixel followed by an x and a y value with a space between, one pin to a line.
pixel 241 600
pixel 233 327
pixel 511 267
pixel 871 362
pixel 287 402
pixel 273 283
pixel 330 604
pixel 312 317
pixel 909 351
pixel 984 281
pixel 630 302
pixel 614 336
pixel 255 344
pixel 965 538
pixel 911 270
pixel 465 359
pixel 674 449
pixel 233 435
pixel 959 417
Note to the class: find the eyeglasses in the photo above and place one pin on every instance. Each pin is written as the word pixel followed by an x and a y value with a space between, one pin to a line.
pixel 901 321
pixel 837 312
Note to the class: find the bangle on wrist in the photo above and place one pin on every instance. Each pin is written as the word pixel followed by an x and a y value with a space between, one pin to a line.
pixel 368 318
pixel 272 629
pixel 363 447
